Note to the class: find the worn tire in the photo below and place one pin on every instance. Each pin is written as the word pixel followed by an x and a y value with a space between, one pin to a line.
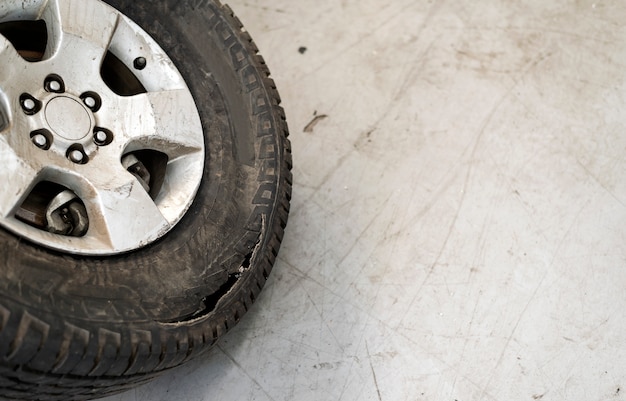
pixel 77 327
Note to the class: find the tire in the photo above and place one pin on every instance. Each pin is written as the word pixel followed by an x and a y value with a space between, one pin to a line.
pixel 79 323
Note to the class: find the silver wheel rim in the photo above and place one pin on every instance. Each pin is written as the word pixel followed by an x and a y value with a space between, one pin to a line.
pixel 107 172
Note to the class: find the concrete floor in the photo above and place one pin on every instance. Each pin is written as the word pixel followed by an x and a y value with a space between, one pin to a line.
pixel 458 221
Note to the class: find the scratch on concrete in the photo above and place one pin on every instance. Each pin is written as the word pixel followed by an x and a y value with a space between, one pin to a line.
pixel 369 357
pixel 244 371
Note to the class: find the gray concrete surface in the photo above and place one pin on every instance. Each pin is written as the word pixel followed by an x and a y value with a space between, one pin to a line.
pixel 458 221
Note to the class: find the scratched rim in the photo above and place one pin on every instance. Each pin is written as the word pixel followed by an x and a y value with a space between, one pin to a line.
pixel 101 142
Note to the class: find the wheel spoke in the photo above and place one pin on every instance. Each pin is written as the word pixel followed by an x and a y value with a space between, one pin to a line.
pixel 124 212
pixel 11 63
pixel 19 178
pixel 166 120
pixel 82 28
pixel 8 54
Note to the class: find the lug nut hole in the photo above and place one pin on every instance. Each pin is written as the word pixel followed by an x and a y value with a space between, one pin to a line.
pixel 76 154
pixel 92 100
pixel 30 105
pixel 102 136
pixel 54 84
pixel 41 138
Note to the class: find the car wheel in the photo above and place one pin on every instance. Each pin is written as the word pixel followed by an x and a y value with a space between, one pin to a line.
pixel 146 173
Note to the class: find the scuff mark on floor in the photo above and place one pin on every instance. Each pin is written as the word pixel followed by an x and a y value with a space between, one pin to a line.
pixel 316 119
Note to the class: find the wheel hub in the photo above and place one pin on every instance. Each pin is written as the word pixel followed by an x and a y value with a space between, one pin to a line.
pixel 68 118
pixel 101 141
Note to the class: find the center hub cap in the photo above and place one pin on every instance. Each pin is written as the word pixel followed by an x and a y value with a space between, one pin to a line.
pixel 68 118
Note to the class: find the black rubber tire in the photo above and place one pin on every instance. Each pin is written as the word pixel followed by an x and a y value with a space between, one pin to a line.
pixel 77 328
